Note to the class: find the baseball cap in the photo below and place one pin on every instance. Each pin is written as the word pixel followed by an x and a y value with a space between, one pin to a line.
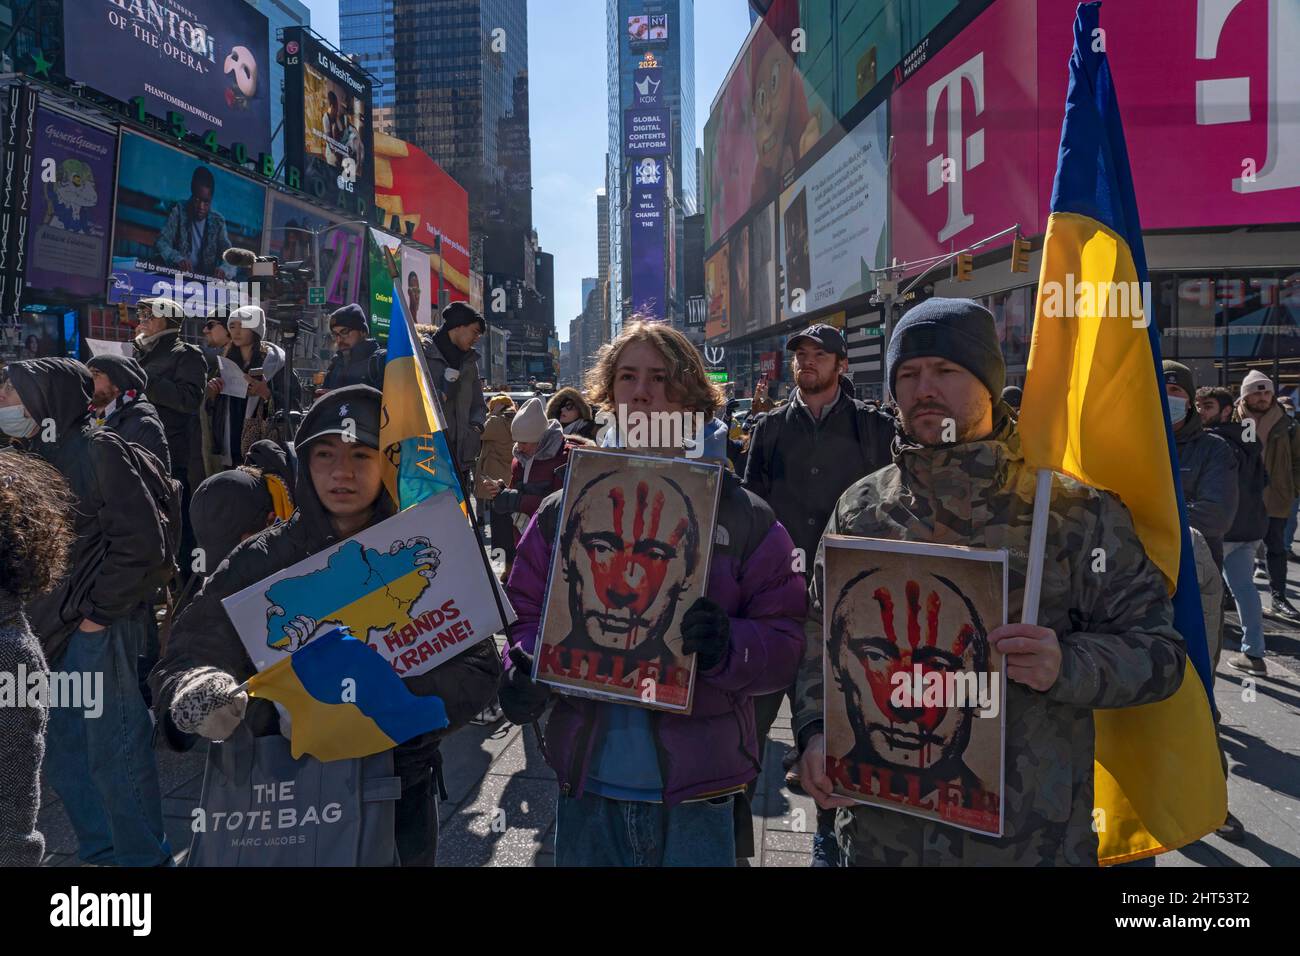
pixel 353 409
pixel 827 336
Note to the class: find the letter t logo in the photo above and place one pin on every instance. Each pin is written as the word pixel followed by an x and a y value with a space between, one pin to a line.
pixel 969 153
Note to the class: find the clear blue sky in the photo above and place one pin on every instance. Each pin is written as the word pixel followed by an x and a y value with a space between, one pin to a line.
pixel 567 121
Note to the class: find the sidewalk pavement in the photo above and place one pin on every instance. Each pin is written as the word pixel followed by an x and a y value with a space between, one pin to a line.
pixel 501 806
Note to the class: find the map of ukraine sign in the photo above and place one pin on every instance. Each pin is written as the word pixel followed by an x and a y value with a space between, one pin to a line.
pixel 415 602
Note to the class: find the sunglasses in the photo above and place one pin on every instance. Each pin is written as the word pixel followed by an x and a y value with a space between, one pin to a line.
pixel 209 326
pixel 567 406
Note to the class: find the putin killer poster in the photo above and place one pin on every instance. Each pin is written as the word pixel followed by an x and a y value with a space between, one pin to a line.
pixel 634 539
pixel 914 691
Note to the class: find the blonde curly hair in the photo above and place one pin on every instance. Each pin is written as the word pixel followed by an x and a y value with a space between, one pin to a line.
pixel 687 384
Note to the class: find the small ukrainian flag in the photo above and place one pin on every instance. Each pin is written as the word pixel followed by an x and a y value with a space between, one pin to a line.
pixel 344 700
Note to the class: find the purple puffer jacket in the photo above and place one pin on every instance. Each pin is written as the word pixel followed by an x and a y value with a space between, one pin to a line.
pixel 715 749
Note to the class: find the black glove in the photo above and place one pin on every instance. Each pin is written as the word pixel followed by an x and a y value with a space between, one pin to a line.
pixel 506 502
pixel 706 632
pixel 522 699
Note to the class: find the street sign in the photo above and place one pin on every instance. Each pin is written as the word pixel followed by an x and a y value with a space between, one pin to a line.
pixel 316 295
pixel 717 377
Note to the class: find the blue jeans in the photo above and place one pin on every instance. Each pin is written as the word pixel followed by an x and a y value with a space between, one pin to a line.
pixel 102 767
pixel 1238 572
pixel 597 831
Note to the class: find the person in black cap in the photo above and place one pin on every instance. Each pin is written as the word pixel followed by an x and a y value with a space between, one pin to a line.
pixel 802 456
pixel 454 365
pixel 119 404
pixel 1102 640
pixel 1012 395
pixel 340 491
pixel 359 359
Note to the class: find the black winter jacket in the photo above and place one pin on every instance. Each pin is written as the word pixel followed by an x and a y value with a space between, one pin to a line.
pixel 177 374
pixel 119 540
pixel 1208 470
pixel 1250 522
pixel 801 468
pixel 139 422
pixel 364 365
pixel 204 637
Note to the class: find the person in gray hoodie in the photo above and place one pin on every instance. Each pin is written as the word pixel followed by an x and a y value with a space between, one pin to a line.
pixel 35 538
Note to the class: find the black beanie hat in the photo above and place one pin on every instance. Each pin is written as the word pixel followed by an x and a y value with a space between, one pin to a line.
pixel 458 314
pixel 350 316
pixel 1179 374
pixel 125 373
pixel 332 412
pixel 959 330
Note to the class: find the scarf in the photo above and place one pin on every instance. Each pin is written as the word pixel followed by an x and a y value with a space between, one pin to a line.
pixel 1264 422
pixel 145 343
pixel 102 415
pixel 454 355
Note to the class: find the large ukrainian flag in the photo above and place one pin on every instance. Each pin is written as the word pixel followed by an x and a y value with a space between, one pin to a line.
pixel 411 431
pixel 1094 408
pixel 344 700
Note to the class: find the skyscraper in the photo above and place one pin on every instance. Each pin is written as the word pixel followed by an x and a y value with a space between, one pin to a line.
pixel 461 84
pixel 651 171
pixel 366 32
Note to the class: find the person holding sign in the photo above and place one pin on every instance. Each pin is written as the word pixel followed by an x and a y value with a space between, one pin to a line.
pixel 1106 640
pixel 625 771
pixel 340 492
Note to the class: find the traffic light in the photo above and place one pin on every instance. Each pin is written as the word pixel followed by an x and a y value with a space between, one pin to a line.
pixel 1020 255
pixel 965 263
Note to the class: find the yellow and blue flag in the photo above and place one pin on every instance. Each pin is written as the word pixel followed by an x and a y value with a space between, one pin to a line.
pixel 411 431
pixel 1094 408
pixel 344 700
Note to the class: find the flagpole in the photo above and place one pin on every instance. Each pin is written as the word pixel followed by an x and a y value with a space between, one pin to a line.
pixel 400 292
pixel 1037 547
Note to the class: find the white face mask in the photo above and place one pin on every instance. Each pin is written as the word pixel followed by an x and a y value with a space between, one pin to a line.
pixel 15 423
pixel 1177 409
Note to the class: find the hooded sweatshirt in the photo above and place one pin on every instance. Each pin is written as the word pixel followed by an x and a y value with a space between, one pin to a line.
pixel 119 540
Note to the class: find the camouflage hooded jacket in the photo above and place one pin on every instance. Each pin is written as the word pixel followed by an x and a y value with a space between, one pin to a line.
pixel 1115 627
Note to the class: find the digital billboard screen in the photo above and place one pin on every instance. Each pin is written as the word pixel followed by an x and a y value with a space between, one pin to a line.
pixel 293 229
pixel 72 202
pixel 205 59
pixel 175 215
pixel 328 135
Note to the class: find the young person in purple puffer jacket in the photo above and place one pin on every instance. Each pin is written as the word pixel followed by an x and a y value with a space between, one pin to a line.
pixel 648 788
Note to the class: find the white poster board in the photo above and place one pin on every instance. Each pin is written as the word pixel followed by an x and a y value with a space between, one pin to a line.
pixel 412 587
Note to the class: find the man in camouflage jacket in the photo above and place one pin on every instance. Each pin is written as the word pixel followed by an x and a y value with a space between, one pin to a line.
pixel 1105 636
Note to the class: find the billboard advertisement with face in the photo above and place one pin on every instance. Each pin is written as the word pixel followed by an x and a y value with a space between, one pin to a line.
pixel 914 717
pixel 415 279
pixel 327 124
pixel 833 221
pixel 175 216
pixel 72 201
pixel 769 118
pixel 205 59
pixel 635 537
